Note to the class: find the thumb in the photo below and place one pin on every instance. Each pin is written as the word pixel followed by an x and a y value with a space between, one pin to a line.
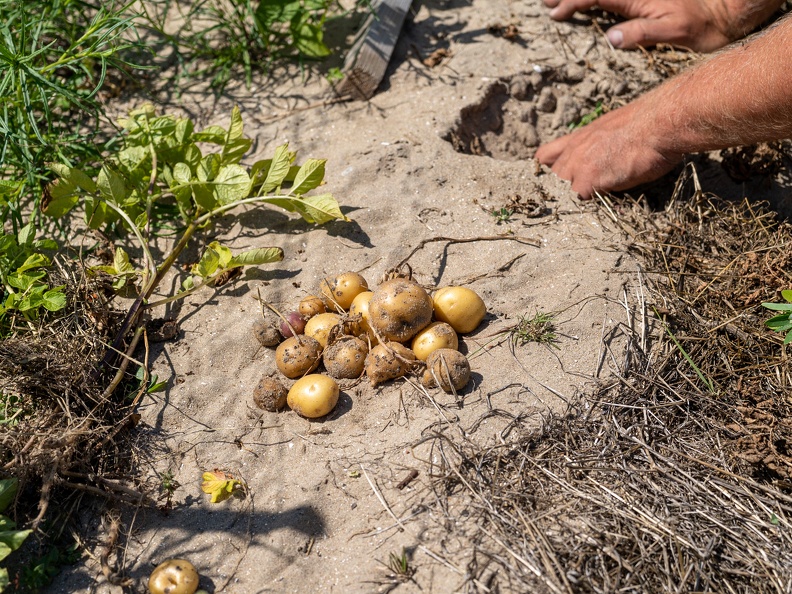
pixel 644 32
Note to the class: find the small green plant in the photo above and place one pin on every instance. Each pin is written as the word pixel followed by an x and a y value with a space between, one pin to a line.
pixel 400 565
pixel 334 75
pixel 538 328
pixel 501 215
pixel 24 290
pixel 160 163
pixel 168 486
pixel 783 321
pixel 40 572
pixel 223 36
pixel 10 538
pixel 586 119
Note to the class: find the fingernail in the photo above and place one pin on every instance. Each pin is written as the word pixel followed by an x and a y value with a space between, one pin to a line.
pixel 616 37
pixel 554 12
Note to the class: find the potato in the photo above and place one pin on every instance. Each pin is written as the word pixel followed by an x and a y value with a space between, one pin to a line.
pixel 343 288
pixel 270 394
pixel 437 335
pixel 266 333
pixel 319 326
pixel 387 361
pixel 460 307
pixel 446 368
pixel 174 576
pixel 313 396
pixel 346 357
pixel 298 355
pixel 311 306
pixel 360 307
pixel 399 309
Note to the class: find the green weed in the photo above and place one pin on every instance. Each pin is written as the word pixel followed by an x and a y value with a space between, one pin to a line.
pixel 587 118
pixel 538 328
pixel 501 215
pixel 10 538
pixel 783 321
pixel 221 37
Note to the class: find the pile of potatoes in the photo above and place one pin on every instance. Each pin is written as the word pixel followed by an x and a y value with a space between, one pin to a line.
pixel 396 329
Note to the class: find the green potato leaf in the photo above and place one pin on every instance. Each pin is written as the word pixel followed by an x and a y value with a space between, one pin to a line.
pixel 256 257
pixel 309 176
pixel 318 209
pixel 231 184
pixel 8 490
pixel 278 169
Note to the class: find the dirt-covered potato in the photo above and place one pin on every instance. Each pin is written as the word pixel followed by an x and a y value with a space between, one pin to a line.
pixel 446 368
pixel 342 289
pixel 459 306
pixel 292 324
pixel 319 326
pixel 360 307
pixel 298 355
pixel 174 576
pixel 313 396
pixel 266 333
pixel 346 357
pixel 399 309
pixel 270 394
pixel 387 361
pixel 437 335
pixel 310 306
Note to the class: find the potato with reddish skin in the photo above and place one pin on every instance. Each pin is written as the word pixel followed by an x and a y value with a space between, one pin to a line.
pixel 399 309
pixel 345 358
pixel 437 335
pixel 313 396
pixel 319 327
pixel 311 306
pixel 270 394
pixel 174 576
pixel 360 307
pixel 292 324
pixel 298 355
pixel 446 368
pixel 342 289
pixel 460 307
pixel 388 360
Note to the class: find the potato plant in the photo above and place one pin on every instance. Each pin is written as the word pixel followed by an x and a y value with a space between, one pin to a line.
pixel 164 163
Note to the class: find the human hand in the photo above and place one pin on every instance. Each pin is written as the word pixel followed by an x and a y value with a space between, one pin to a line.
pixel 617 151
pixel 701 25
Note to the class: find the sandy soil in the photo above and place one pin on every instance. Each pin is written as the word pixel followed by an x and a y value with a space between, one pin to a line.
pixel 315 517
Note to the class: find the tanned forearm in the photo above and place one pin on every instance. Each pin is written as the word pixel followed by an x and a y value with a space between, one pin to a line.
pixel 741 96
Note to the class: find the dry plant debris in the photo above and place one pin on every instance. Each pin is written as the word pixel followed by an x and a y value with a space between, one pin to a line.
pixel 652 483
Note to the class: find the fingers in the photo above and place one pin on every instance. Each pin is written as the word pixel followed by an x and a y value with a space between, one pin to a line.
pixel 646 32
pixel 549 153
pixel 564 9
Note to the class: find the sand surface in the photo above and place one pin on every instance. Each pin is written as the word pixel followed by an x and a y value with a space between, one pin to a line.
pixel 323 510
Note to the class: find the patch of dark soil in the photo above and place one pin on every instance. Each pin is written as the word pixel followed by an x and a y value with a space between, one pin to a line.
pixel 518 114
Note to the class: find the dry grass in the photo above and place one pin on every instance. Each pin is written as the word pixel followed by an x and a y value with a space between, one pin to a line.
pixel 658 481
pixel 66 427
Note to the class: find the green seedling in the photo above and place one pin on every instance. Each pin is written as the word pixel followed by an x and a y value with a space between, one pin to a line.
pixel 539 328
pixel 399 565
pixel 10 538
pixel 783 321
pixel 707 381
pixel 588 118
pixel 501 215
